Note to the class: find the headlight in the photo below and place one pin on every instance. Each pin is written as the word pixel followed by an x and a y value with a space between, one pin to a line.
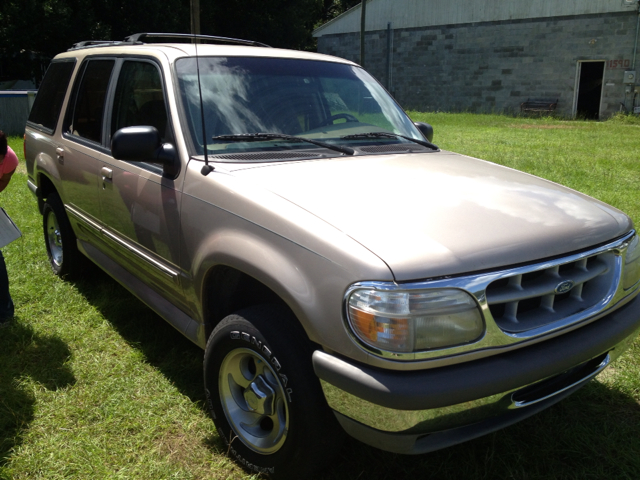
pixel 411 321
pixel 632 264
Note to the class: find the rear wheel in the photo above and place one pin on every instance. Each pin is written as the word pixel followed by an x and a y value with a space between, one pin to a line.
pixel 265 400
pixel 59 238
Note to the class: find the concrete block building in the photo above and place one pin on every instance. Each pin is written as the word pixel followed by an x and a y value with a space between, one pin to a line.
pixel 492 55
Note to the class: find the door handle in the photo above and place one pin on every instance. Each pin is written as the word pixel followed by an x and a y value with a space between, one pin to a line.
pixel 106 173
pixel 60 155
pixel 107 176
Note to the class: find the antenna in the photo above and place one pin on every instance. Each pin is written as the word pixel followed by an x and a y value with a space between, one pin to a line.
pixel 206 168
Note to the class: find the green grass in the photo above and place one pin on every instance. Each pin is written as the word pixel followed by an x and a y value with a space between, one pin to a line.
pixel 94 385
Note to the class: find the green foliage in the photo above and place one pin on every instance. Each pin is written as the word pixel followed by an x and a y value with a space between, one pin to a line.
pixel 333 8
pixel 33 31
pixel 279 23
pixel 621 118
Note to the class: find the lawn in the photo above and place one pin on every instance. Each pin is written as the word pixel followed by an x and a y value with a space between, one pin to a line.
pixel 93 385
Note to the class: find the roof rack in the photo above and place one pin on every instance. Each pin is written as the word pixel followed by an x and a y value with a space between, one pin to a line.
pixel 93 43
pixel 137 38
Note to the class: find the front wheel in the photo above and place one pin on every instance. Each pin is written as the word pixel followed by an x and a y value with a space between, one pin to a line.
pixel 59 238
pixel 265 400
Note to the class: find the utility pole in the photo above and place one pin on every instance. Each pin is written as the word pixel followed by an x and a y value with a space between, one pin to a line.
pixel 363 14
pixel 195 17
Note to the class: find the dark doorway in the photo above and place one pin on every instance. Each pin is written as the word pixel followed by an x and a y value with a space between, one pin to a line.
pixel 590 90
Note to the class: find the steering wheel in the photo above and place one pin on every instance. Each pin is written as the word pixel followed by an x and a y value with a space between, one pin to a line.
pixel 347 116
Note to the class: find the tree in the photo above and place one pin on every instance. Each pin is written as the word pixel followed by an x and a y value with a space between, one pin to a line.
pixel 40 29
pixel 280 23
pixel 33 31
pixel 51 26
pixel 333 8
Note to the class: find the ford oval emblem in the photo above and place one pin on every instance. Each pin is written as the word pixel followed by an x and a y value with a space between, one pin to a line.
pixel 564 287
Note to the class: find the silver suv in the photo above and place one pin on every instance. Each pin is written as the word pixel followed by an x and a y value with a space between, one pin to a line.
pixel 340 271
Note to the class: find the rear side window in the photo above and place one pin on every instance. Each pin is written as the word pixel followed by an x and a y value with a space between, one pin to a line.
pixel 48 102
pixel 85 113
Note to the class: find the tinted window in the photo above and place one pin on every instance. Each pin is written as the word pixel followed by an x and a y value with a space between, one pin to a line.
pixel 139 98
pixel 86 113
pixel 48 101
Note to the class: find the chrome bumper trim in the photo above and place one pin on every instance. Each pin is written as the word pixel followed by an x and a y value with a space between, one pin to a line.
pixel 438 419
pixel 393 406
pixel 521 404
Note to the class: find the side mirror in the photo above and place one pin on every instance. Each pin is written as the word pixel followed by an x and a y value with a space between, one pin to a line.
pixel 143 144
pixel 425 129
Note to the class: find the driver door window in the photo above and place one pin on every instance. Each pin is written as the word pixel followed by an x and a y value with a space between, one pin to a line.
pixel 139 99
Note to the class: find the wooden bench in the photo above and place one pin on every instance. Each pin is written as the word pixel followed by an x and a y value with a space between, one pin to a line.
pixel 539 105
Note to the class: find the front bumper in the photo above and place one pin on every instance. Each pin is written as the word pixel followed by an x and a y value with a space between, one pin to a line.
pixel 421 411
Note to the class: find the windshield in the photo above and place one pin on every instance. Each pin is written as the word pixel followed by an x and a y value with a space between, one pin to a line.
pixel 317 100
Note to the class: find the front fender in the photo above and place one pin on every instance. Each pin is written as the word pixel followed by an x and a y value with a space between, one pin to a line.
pixel 308 263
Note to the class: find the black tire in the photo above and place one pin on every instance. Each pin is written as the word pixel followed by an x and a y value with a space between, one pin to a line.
pixel 289 432
pixel 59 238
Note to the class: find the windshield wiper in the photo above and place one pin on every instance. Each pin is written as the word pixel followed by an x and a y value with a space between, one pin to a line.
pixel 355 136
pixel 257 137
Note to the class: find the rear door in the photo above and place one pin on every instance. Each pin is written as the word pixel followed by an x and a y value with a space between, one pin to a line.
pixel 81 146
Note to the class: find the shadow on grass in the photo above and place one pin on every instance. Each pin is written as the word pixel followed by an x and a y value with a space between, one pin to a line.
pixel 591 434
pixel 25 355
pixel 163 346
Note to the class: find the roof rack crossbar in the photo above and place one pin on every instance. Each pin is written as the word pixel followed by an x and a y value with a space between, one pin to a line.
pixel 137 38
pixel 94 43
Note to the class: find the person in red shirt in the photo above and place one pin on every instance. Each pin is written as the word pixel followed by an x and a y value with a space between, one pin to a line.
pixel 8 165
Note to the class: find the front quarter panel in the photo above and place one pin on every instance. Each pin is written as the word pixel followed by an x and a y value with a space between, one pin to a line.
pixel 306 262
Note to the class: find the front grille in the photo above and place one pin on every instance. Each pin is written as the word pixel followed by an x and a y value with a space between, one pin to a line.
pixel 540 297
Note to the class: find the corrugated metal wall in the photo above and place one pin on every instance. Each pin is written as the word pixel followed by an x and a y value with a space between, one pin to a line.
pixel 422 13
pixel 14 110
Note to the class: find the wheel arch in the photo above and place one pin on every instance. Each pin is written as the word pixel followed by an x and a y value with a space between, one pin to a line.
pixel 227 290
pixel 47 178
pixel 242 271
pixel 45 188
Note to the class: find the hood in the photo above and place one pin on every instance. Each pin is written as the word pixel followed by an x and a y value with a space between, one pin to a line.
pixel 429 215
